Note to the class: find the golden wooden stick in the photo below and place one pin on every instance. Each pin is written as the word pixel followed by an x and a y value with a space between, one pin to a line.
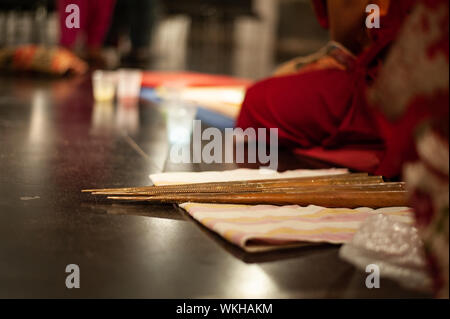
pixel 262 188
pixel 241 186
pixel 319 180
pixel 343 190
pixel 349 199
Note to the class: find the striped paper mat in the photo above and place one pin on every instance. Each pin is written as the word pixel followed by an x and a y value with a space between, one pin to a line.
pixel 264 227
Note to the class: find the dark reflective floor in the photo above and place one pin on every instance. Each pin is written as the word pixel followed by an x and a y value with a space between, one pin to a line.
pixel 54 141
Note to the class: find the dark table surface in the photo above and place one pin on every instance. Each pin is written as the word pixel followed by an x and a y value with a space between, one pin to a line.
pixel 54 142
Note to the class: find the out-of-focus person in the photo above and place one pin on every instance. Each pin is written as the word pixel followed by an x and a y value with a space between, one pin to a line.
pixel 95 19
pixel 413 90
pixel 132 19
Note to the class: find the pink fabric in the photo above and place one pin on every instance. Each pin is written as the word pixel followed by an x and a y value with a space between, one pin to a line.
pixel 95 18
pixel 266 227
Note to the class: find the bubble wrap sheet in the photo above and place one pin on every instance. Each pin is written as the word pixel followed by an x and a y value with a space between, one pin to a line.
pixel 395 247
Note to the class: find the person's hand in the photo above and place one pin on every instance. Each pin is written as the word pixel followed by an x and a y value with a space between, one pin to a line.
pixel 299 65
pixel 290 67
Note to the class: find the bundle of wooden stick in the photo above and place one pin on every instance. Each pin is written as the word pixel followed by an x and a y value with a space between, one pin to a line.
pixel 344 190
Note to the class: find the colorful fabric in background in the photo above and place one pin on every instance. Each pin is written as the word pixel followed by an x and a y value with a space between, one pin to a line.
pixel 413 90
pixel 190 79
pixel 264 227
pixel 41 59
pixel 218 98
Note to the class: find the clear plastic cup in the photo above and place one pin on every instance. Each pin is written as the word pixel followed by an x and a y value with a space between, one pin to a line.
pixel 103 85
pixel 179 123
pixel 129 84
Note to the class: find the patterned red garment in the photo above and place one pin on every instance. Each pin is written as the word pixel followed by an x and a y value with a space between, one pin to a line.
pixel 413 90
pixel 326 108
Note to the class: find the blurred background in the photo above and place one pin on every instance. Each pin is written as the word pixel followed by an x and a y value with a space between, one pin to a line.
pixel 245 38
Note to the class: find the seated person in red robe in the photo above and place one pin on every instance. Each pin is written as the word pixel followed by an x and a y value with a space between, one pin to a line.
pixel 319 103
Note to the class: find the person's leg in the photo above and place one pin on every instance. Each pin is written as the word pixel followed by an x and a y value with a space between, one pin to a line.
pixel 120 25
pixel 346 19
pixel 119 22
pixel 68 36
pixel 100 13
pixel 311 109
pixel 142 23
